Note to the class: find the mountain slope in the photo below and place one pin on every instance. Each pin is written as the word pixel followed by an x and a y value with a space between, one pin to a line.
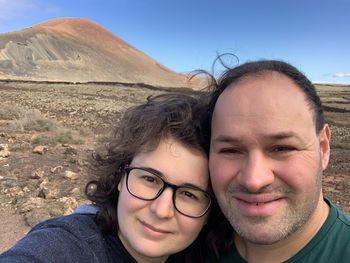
pixel 80 50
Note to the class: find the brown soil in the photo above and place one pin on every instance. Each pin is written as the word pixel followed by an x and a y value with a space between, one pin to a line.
pixel 35 186
pixel 13 227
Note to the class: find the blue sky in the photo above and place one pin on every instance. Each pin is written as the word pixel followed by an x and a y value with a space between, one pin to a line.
pixel 184 35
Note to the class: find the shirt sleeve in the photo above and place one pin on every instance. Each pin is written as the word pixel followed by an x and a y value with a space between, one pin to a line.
pixel 52 243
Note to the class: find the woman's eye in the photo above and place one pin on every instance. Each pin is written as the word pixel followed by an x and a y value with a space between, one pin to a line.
pixel 189 195
pixel 149 179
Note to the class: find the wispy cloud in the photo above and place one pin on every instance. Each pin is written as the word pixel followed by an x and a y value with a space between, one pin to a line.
pixel 12 9
pixel 341 75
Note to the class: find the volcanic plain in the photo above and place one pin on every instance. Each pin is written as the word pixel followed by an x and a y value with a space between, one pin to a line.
pixel 48 132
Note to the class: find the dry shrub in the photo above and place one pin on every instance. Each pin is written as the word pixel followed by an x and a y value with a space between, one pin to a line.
pixel 43 140
pixel 341 145
pixel 68 136
pixel 10 112
pixel 85 131
pixel 64 136
pixel 20 147
pixel 3 172
pixel 34 121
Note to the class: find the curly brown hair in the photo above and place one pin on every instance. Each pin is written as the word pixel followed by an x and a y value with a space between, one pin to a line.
pixel 141 128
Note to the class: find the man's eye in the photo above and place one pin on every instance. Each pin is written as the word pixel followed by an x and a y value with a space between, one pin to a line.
pixel 229 151
pixel 282 148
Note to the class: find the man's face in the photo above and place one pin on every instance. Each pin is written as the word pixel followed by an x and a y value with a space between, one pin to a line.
pixel 266 159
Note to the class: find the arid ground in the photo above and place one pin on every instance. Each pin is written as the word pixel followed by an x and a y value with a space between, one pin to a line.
pixel 49 131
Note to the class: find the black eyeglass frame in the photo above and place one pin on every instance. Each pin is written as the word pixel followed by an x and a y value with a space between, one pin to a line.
pixel 166 185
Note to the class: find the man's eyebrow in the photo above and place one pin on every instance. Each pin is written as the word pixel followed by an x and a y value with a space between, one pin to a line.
pixel 226 138
pixel 276 136
pixel 284 135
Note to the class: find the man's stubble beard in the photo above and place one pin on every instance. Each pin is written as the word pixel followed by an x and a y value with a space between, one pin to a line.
pixel 270 230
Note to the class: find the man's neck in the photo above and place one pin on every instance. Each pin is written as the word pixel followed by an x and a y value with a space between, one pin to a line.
pixel 284 249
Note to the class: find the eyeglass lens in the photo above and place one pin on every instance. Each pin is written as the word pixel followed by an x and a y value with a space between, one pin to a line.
pixel 147 186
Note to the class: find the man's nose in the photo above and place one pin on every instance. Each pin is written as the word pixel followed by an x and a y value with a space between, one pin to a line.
pixel 256 172
pixel 163 206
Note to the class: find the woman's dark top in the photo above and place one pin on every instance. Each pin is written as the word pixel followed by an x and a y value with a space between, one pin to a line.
pixel 72 238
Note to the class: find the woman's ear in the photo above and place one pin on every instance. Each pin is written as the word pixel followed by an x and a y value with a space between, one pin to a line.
pixel 121 170
pixel 120 183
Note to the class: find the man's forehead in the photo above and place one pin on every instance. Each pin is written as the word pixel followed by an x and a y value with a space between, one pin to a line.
pixel 272 101
pixel 270 87
pixel 255 80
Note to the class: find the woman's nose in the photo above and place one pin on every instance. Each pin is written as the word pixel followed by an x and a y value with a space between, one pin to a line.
pixel 163 206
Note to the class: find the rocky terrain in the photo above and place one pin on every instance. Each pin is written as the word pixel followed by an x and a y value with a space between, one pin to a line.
pixel 47 134
pixel 63 84
pixel 49 131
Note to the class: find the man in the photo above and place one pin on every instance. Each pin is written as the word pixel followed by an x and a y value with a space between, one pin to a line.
pixel 269 147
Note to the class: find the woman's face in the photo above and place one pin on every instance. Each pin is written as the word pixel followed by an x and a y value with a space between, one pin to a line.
pixel 155 229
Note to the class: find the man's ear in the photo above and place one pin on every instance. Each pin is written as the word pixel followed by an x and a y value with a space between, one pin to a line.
pixel 324 139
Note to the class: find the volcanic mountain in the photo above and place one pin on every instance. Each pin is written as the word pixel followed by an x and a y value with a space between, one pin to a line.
pixel 78 50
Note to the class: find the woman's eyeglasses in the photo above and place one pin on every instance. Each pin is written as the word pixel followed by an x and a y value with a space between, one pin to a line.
pixel 146 184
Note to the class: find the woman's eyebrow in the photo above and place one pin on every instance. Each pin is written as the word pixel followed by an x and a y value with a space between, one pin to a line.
pixel 158 173
pixel 192 186
pixel 149 169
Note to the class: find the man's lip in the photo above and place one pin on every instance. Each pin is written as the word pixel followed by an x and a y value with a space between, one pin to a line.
pixel 257 198
pixel 258 205
pixel 154 228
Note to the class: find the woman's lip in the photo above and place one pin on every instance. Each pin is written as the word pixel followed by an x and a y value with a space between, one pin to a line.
pixel 154 229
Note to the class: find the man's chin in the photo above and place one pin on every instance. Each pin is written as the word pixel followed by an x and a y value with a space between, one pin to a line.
pixel 259 238
pixel 262 230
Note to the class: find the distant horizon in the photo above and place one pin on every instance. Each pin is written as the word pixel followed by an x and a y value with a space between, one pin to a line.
pixel 127 83
pixel 187 35
pixel 331 84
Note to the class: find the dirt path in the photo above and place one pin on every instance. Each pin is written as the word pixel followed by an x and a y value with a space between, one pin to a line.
pixel 13 227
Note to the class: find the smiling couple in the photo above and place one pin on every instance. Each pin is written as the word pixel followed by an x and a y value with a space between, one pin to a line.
pixel 255 149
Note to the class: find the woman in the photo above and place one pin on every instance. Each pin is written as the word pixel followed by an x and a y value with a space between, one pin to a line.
pixel 151 199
